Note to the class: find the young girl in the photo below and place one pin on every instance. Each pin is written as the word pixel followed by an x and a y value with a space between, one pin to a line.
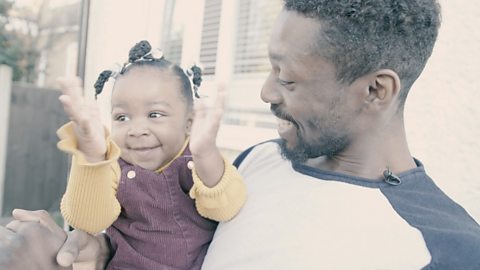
pixel 138 181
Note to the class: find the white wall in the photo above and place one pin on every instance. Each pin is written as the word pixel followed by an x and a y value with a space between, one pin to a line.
pixel 114 27
pixel 443 109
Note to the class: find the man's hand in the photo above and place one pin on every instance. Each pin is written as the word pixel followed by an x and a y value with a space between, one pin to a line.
pixel 85 115
pixel 32 244
pixel 76 248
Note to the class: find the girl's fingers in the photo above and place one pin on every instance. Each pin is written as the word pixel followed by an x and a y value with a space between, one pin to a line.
pixel 200 109
pixel 68 106
pixel 69 85
pixel 215 109
pixel 74 104
pixel 77 112
pixel 221 96
pixel 72 87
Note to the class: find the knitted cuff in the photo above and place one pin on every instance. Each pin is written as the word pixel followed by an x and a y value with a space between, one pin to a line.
pixel 68 143
pixel 223 201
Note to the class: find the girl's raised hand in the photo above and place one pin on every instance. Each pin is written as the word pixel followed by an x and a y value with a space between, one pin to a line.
pixel 207 159
pixel 206 124
pixel 85 115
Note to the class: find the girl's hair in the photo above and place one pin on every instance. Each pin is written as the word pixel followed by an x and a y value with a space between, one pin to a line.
pixel 142 55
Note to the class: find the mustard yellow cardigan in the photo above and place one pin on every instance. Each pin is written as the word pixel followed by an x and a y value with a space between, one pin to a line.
pixel 90 202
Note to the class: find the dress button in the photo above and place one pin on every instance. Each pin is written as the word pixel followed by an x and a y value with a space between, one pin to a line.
pixel 131 174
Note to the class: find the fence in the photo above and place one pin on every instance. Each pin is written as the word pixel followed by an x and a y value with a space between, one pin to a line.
pixel 33 172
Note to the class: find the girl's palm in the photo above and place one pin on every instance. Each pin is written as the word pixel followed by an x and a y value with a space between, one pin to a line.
pixel 206 124
pixel 85 115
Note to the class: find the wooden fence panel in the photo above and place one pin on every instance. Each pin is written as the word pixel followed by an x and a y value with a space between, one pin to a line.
pixel 36 171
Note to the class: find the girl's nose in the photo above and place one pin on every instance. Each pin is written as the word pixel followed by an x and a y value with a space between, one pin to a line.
pixel 138 128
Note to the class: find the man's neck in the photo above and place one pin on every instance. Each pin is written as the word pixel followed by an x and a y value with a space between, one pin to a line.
pixel 370 155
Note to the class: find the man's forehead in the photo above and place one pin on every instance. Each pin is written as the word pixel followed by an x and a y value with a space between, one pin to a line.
pixel 288 54
pixel 293 37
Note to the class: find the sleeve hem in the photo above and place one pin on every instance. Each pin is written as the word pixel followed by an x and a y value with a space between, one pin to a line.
pixel 223 201
pixel 199 188
pixel 68 143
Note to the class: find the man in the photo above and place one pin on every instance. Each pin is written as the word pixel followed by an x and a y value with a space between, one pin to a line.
pixel 349 194
pixel 340 189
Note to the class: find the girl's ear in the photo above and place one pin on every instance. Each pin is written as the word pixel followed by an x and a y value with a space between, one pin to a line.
pixel 188 126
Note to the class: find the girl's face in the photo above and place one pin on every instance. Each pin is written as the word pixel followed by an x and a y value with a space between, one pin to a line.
pixel 150 117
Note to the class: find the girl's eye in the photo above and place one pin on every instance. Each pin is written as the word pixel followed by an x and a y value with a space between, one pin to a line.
pixel 121 118
pixel 155 115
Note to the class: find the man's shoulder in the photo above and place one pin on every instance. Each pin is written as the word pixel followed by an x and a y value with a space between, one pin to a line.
pixel 264 149
pixel 451 234
pixel 418 194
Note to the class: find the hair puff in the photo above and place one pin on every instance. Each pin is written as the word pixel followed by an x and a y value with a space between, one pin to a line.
pixel 101 80
pixel 197 75
pixel 139 50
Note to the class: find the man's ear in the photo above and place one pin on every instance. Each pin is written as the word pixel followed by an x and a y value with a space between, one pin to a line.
pixel 384 88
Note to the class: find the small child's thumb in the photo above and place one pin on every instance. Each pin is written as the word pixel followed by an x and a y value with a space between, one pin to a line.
pixel 68 253
pixel 65 258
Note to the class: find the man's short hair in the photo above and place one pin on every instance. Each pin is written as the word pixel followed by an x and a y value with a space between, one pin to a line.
pixel 361 36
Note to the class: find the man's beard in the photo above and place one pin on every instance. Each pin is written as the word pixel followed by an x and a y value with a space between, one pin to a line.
pixel 328 145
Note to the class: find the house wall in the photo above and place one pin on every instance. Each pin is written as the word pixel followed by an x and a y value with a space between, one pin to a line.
pixel 442 112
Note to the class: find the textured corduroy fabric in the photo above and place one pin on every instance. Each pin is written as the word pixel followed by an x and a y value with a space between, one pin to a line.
pixel 159 226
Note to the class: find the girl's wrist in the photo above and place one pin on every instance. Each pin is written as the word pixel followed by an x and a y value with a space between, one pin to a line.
pixel 207 151
pixel 94 156
pixel 95 159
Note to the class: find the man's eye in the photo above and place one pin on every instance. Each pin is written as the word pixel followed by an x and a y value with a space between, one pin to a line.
pixel 121 118
pixel 285 83
pixel 155 115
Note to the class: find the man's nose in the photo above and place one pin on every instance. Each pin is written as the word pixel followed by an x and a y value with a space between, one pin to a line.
pixel 270 92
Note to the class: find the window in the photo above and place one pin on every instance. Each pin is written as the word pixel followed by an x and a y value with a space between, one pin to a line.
pixel 255 21
pixel 209 43
pixel 173 29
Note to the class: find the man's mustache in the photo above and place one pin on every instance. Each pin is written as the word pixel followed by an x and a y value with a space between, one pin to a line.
pixel 275 108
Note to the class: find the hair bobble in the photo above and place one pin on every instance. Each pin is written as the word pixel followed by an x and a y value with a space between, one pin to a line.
pixel 194 74
pixel 102 79
pixel 139 51
pixel 142 51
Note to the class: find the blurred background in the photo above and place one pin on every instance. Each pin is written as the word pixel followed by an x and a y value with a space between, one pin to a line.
pixel 43 39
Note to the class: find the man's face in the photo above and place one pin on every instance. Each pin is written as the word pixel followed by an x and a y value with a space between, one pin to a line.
pixel 318 117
